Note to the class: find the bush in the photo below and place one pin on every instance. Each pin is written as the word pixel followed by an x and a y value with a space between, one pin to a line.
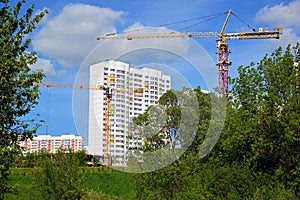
pixel 96 195
pixel 275 193
pixel 59 178
pixel 207 181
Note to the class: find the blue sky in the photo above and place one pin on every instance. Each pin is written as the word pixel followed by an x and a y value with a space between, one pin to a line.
pixel 68 34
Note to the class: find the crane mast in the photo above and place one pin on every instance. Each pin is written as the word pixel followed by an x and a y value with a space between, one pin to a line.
pixel 108 93
pixel 223 51
pixel 107 120
pixel 223 60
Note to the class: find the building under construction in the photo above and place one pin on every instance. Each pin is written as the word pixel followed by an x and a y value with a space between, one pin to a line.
pixel 126 93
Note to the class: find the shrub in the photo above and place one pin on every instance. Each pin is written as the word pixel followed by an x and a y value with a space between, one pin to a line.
pixel 59 178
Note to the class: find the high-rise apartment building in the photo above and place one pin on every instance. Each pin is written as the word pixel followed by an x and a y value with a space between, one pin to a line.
pixel 125 103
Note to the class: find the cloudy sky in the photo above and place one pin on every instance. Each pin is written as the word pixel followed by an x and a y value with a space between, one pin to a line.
pixel 66 42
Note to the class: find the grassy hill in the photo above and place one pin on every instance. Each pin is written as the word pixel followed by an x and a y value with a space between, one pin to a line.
pixel 97 181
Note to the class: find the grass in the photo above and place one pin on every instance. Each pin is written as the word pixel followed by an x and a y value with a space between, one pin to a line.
pixel 23 184
pixel 109 182
pixel 113 183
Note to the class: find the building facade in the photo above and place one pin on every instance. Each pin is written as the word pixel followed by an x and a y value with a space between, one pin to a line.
pixel 53 144
pixel 123 81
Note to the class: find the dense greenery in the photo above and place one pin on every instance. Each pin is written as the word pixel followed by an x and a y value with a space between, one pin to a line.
pixel 263 126
pixel 59 177
pixel 18 94
pixel 257 155
pixel 37 159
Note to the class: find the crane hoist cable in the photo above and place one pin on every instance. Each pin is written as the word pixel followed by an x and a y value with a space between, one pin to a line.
pixel 190 26
pixel 194 19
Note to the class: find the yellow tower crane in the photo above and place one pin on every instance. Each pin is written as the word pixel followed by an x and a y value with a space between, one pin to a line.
pixel 222 45
pixel 108 92
pixel 108 113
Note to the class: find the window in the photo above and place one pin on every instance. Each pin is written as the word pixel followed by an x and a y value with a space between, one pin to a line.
pixel 121 71
pixel 44 142
pixel 120 76
pixel 138 75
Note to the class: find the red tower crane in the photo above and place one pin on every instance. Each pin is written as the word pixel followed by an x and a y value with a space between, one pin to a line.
pixel 222 45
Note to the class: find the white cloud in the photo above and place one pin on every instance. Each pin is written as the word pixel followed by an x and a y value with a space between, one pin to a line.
pixel 69 36
pixel 45 65
pixel 288 37
pixel 281 15
pixel 137 47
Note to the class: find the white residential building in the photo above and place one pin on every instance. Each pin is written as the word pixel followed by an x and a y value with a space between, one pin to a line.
pixel 52 144
pixel 125 104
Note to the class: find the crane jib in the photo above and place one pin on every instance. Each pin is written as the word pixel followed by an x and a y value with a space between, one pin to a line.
pixel 229 36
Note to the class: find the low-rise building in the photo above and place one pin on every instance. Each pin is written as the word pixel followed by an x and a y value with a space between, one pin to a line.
pixel 52 144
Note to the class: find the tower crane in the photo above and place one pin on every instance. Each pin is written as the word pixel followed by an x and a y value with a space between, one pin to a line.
pixel 108 92
pixel 222 45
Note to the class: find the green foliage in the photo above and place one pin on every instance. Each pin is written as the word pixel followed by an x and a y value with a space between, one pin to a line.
pixel 6 156
pixel 36 159
pixel 59 178
pixel 18 94
pixel 263 120
pixel 96 195
pixel 212 182
pixel 23 184
pixel 195 179
pixel 278 192
pixel 171 181
pixel 176 111
pixel 257 155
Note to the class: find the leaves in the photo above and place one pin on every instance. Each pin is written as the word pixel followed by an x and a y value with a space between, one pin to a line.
pixel 60 178
pixel 257 156
pixel 262 128
pixel 18 92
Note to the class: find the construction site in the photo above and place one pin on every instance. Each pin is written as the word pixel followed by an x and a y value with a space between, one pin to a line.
pixel 150 100
pixel 118 92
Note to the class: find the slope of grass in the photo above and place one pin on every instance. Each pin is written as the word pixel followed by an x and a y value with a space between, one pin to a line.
pixel 119 184
pixel 113 183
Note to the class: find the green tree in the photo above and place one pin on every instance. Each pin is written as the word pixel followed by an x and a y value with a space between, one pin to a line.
pixel 60 177
pixel 263 119
pixel 171 181
pixel 18 92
